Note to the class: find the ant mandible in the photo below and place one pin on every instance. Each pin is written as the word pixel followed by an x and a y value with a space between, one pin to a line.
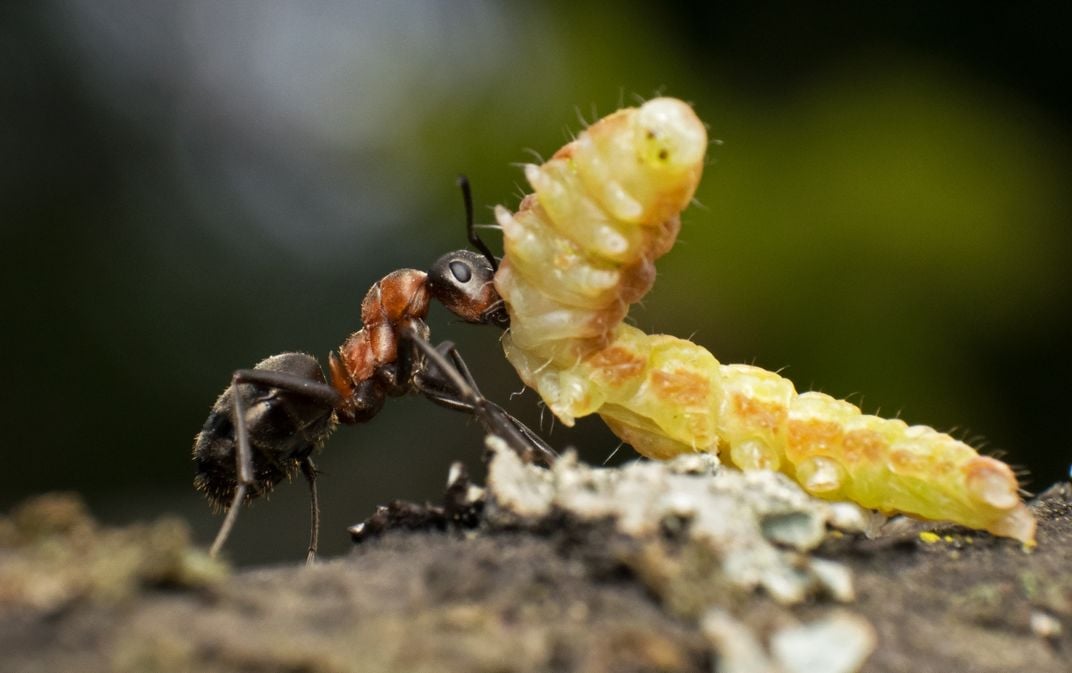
pixel 268 422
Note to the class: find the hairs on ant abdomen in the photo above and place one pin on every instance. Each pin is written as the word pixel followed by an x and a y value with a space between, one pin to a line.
pixel 266 425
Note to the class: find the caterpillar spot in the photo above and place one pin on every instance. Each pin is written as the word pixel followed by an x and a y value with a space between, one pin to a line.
pixel 582 248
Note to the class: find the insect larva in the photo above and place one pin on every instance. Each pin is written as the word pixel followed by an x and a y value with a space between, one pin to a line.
pixel 582 248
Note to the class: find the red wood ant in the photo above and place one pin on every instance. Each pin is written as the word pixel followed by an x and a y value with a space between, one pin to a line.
pixel 268 422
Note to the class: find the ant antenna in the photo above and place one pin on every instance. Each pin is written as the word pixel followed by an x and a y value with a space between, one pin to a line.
pixel 470 227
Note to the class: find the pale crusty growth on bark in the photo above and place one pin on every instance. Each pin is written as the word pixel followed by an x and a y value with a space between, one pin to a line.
pixel 582 248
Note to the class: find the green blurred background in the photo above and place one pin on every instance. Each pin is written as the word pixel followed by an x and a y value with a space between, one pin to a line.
pixel 187 187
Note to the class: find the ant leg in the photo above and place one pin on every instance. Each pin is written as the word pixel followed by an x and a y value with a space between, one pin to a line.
pixel 444 395
pixel 228 521
pixel 243 465
pixel 434 385
pixel 308 468
pixel 407 360
pixel 292 383
pixel 458 391
pixel 244 477
pixel 546 454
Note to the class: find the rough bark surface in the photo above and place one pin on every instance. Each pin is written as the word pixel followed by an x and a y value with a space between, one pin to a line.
pixel 557 595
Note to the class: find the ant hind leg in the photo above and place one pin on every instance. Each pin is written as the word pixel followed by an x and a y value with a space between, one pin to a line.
pixel 308 469
pixel 244 477
pixel 243 465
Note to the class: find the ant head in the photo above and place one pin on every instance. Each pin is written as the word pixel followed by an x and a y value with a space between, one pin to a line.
pixel 463 281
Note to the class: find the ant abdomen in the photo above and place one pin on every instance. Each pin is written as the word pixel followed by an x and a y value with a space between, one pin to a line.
pixel 284 428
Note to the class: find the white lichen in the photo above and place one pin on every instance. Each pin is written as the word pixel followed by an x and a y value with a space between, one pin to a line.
pixel 838 643
pixel 758 524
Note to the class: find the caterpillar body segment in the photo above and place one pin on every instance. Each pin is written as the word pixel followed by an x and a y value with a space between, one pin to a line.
pixel 582 248
pixel 755 419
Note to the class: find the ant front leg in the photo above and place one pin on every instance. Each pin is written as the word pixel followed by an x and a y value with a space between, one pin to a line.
pixel 318 392
pixel 535 447
pixel 452 385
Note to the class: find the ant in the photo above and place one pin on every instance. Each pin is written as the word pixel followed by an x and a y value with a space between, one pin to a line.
pixel 268 422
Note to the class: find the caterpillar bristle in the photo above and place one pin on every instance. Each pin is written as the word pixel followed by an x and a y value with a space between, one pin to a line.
pixel 696 203
pixel 535 154
pixel 996 454
pixel 613 453
pixel 519 191
pixel 580 117
pixel 849 398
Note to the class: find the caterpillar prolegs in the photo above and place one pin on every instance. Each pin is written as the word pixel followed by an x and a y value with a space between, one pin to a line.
pixel 582 248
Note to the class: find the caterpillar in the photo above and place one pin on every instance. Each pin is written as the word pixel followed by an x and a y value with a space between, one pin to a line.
pixel 582 248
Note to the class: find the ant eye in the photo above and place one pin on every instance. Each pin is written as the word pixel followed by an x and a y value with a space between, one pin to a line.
pixel 462 272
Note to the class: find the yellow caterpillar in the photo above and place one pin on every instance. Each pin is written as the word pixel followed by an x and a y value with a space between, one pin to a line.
pixel 582 248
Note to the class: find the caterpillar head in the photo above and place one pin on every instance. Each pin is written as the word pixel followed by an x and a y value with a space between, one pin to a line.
pixel 642 164
pixel 463 281
pixel 669 136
